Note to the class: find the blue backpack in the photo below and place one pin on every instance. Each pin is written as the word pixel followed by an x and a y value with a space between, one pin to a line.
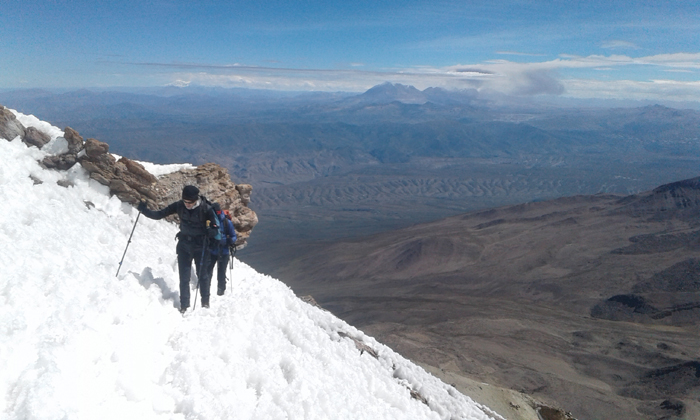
pixel 226 231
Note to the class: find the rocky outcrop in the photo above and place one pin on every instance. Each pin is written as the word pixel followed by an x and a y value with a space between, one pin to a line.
pixel 126 179
pixel 66 160
pixel 10 128
pixel 36 138
pixel 215 184
pixel 75 140
pixel 131 182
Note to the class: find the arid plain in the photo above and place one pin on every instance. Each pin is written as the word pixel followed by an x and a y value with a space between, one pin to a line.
pixel 587 303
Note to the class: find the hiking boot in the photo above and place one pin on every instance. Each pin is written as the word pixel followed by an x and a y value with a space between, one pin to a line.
pixel 183 309
pixel 205 302
pixel 220 291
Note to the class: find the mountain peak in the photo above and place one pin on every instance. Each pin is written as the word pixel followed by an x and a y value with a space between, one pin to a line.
pixel 390 92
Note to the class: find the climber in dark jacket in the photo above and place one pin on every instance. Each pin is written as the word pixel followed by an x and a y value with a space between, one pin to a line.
pixel 194 212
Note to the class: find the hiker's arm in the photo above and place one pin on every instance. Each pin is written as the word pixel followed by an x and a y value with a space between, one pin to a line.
pixel 157 214
pixel 231 236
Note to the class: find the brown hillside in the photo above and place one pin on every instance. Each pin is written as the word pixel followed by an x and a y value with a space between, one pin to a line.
pixel 588 303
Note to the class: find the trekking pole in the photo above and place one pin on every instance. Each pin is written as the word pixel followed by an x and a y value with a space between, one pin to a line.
pixel 202 263
pixel 127 244
pixel 230 267
pixel 233 256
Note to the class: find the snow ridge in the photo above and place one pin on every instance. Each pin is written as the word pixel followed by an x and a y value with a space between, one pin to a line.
pixel 76 342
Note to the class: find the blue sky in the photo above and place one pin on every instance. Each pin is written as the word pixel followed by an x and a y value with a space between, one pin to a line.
pixel 602 49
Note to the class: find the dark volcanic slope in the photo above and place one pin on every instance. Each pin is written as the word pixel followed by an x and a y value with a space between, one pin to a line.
pixel 590 302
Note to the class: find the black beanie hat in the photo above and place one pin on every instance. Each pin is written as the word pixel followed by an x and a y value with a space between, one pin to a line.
pixel 190 193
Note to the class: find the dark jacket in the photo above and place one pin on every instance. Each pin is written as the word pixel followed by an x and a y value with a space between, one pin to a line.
pixel 192 222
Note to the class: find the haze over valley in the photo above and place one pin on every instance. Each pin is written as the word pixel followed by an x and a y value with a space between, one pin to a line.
pixel 332 165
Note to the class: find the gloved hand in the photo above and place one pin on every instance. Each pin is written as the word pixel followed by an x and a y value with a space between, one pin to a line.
pixel 212 231
pixel 142 206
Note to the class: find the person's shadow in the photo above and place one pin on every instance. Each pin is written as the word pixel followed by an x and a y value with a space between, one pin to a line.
pixel 146 279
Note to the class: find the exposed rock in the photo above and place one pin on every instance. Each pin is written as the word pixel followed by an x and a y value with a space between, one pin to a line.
pixel 67 160
pixel 550 413
pixel 138 170
pixel 95 148
pixel 360 345
pixel 132 183
pixel 125 178
pixel 311 301
pixel 34 137
pixel 60 162
pixel 244 219
pixel 75 141
pixel 10 128
pixel 214 182
pixel 64 183
pixel 417 396
pixel 99 178
pixel 244 190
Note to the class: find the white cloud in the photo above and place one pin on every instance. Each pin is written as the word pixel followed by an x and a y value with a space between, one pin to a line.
pixel 619 44
pixel 519 53
pixel 657 90
pixel 504 76
pixel 180 83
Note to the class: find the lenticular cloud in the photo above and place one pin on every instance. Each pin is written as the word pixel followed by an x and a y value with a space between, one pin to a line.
pixel 76 342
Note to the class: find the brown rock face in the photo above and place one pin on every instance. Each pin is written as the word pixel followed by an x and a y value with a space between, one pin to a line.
pixel 9 126
pixel 125 178
pixel 131 183
pixel 95 148
pixel 34 137
pixel 75 141
pixel 214 182
pixel 67 160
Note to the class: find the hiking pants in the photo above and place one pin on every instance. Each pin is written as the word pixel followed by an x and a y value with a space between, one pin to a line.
pixel 190 248
pixel 222 263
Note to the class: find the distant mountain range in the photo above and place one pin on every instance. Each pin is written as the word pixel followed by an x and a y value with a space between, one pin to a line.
pixel 407 156
pixel 396 92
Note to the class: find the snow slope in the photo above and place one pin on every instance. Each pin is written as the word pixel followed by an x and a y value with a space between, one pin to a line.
pixel 76 342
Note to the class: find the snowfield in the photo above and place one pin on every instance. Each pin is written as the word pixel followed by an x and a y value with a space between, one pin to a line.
pixel 77 342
